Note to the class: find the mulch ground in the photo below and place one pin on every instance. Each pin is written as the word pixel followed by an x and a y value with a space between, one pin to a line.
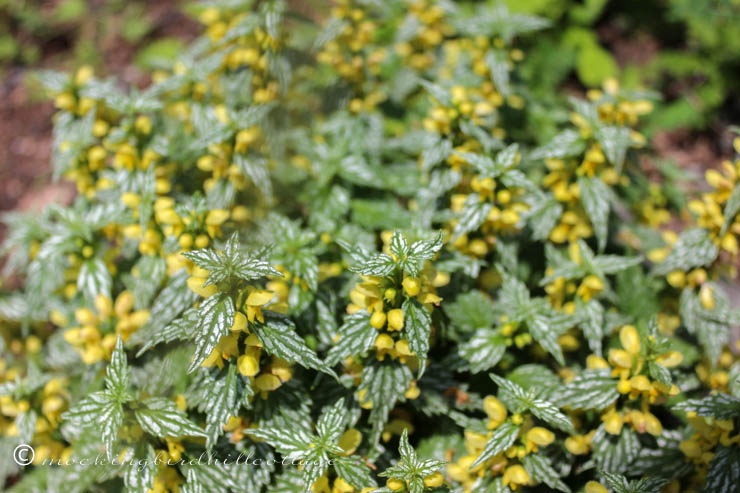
pixel 26 121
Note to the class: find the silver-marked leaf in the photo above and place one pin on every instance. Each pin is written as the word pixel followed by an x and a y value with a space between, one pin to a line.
pixel 161 418
pixel 595 200
pixel 216 317
pixel 356 336
pixel 550 414
pixel 591 389
pixel 503 437
pixel 417 327
pixel 694 248
pixel 279 338
pixel 539 468
pixel 484 350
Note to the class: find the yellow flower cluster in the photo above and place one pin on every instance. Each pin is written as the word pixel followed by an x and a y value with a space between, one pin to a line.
pixel 700 447
pixel 506 464
pixel 96 335
pixel 709 209
pixel 382 298
pixel 716 377
pixel 248 360
pixel 629 363
pixel 250 51
pixel 48 404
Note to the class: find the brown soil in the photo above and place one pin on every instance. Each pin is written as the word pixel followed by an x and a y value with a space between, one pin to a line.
pixel 26 123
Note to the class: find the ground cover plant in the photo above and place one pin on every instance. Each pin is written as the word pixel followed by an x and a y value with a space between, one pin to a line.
pixel 340 257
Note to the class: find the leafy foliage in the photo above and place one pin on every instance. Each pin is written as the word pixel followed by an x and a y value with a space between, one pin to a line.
pixel 302 252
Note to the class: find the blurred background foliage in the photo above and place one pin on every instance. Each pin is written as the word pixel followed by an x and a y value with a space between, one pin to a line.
pixel 77 32
pixel 122 38
pixel 689 50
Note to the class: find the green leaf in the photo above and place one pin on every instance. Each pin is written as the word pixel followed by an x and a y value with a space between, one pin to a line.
pixel 192 485
pixel 214 476
pixel 117 374
pixel 724 470
pixel 591 389
pixel 470 311
pixel 659 372
pixel 484 350
pixel 182 329
pixel 620 484
pixel 613 264
pixel 380 214
pixel 315 464
pixel 256 170
pixel 540 469
pixel 712 335
pixel 399 246
pixel 295 443
pixel 171 301
pixel 221 404
pixel 550 414
pixel 592 323
pixel 503 437
pixel 535 379
pixel 138 475
pixel 411 468
pixel 719 406
pixel 216 316
pixel 731 208
pixel 354 471
pixel 511 394
pixel 356 336
pixel 544 334
pixel 231 263
pixel 101 411
pixel 279 338
pixel 379 265
pixel 595 200
pixel 614 141
pixel 565 144
pixel 94 279
pixel 161 418
pixel 543 215
pixel 474 213
pixel 498 65
pixel 437 92
pixel 694 248
pixel 417 327
pixel 384 383
pixel 615 453
pixel 435 154
pixel 332 422
pixel 420 251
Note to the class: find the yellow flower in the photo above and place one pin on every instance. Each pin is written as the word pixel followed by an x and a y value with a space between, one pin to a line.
pixel 349 441
pixel 589 287
pixel 395 484
pixel 411 286
pixel 434 480
pixel 255 301
pixel 395 319
pixel 595 487
pixel 578 444
pixel 538 437
pixel 240 322
pixel 515 476
pixel 612 422
pixel 495 410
